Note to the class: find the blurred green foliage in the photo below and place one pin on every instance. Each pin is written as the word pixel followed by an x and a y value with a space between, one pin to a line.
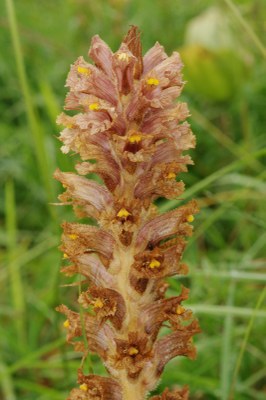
pixel 221 45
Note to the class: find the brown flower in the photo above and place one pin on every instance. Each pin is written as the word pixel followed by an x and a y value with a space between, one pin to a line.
pixel 132 354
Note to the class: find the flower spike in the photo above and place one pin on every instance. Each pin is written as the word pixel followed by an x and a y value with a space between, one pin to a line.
pixel 128 129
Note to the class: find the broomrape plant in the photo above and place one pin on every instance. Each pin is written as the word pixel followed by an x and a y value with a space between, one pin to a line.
pixel 130 132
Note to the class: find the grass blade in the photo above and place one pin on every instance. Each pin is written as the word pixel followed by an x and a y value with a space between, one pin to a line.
pixel 17 291
pixel 34 123
pixel 225 372
pixel 6 383
pixel 225 310
pixel 245 341
pixel 210 179
pixel 258 43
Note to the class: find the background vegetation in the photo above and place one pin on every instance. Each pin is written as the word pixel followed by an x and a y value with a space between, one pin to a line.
pixel 221 44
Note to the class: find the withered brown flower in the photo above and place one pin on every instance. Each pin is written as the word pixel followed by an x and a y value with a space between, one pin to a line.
pixel 130 131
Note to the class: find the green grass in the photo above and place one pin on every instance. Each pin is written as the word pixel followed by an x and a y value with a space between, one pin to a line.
pixel 226 255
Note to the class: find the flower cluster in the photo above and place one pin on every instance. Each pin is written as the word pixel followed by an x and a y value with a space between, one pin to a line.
pixel 128 130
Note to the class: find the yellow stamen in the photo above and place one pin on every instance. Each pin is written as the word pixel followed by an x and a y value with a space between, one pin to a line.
pixel 94 106
pixel 136 138
pixel 98 303
pixel 64 186
pixel 180 310
pixel 190 218
pixel 154 263
pixel 73 236
pixel 83 387
pixel 83 70
pixel 69 126
pixel 171 175
pixel 123 57
pixel 152 81
pixel 123 213
pixel 132 351
pixel 65 256
pixel 66 324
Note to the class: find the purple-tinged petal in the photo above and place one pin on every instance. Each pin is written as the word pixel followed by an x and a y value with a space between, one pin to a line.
pixel 100 338
pixel 153 57
pixel 94 81
pixel 95 122
pixel 101 55
pixel 84 191
pixel 79 238
pixel 123 67
pixel 165 225
pixel 170 68
pixel 155 313
pixel 167 153
pixel 166 97
pixel 90 266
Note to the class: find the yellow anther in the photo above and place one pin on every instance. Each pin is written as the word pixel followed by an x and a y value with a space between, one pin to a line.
pixel 190 218
pixel 94 106
pixel 98 303
pixel 69 126
pixel 73 236
pixel 154 263
pixel 83 387
pixel 83 70
pixel 180 310
pixel 171 175
pixel 152 81
pixel 123 213
pixel 64 186
pixel 66 324
pixel 65 256
pixel 132 351
pixel 136 138
pixel 123 57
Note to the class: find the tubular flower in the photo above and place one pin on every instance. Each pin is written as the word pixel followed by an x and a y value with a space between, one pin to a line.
pixel 129 130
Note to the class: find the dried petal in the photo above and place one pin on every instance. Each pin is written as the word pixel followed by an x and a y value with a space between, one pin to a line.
pixel 92 267
pixel 86 238
pixel 175 344
pixel 86 192
pixel 100 339
pixel 153 57
pixel 165 225
pixel 111 304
